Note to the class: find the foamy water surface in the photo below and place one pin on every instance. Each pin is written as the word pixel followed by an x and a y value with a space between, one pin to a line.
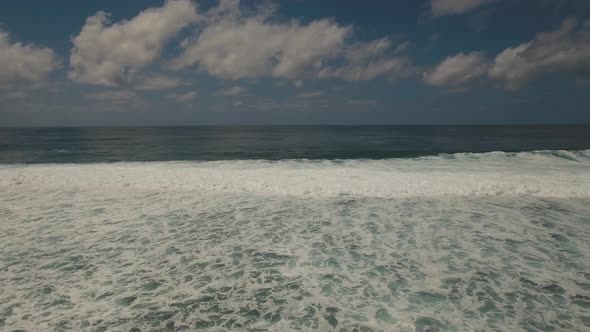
pixel 463 242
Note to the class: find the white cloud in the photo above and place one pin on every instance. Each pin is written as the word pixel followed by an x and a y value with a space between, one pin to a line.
pixel 230 42
pixel 233 91
pixel 183 97
pixel 370 60
pixel 112 54
pixel 24 63
pixel 397 67
pixel 375 48
pixel 566 49
pixel 458 69
pixel 452 7
pixel 233 44
pixel 157 82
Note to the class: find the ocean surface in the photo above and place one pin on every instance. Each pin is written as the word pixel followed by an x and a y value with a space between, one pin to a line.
pixel 371 228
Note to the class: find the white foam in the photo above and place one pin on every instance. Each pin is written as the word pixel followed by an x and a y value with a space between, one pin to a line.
pixel 544 174
pixel 120 252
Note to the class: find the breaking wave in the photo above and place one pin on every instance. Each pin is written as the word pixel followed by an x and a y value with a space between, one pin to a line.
pixel 551 173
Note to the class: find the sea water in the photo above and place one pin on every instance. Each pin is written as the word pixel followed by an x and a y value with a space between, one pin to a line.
pixel 287 228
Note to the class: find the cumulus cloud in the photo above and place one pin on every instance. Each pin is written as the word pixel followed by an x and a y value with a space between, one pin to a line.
pixel 375 48
pixel 366 61
pixel 452 7
pixel 364 71
pixel 24 63
pixel 230 42
pixel 183 97
pixel 156 82
pixel 234 44
pixel 401 47
pixel 233 91
pixel 458 69
pixel 112 54
pixel 566 49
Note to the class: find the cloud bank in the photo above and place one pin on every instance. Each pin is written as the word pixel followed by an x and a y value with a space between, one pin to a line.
pixel 231 41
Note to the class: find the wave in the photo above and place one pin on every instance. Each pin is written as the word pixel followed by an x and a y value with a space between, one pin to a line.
pixel 572 155
pixel 64 151
pixel 551 173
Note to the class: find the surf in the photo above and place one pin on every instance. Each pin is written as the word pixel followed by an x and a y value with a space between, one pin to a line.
pixel 557 173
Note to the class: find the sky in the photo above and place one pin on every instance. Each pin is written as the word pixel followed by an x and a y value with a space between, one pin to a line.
pixel 230 62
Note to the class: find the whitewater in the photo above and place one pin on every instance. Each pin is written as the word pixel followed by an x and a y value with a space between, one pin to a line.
pixel 491 241
pixel 542 173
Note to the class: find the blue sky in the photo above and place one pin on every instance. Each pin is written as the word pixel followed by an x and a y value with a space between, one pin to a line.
pixel 67 63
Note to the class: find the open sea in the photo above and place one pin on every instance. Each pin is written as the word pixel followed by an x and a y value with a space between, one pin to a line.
pixel 328 228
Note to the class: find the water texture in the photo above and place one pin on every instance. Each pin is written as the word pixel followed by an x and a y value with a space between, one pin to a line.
pixel 350 233
pixel 112 247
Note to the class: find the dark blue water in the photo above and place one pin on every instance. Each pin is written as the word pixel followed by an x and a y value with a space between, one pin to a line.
pixel 74 145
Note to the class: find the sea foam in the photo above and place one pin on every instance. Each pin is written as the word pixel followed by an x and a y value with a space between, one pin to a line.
pixel 464 242
pixel 560 174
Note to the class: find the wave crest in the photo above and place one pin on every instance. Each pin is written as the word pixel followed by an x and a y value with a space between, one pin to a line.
pixel 541 173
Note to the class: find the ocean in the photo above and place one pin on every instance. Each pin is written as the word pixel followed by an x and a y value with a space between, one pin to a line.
pixel 295 228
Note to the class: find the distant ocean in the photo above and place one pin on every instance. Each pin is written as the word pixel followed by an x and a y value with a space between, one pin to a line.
pixel 346 228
